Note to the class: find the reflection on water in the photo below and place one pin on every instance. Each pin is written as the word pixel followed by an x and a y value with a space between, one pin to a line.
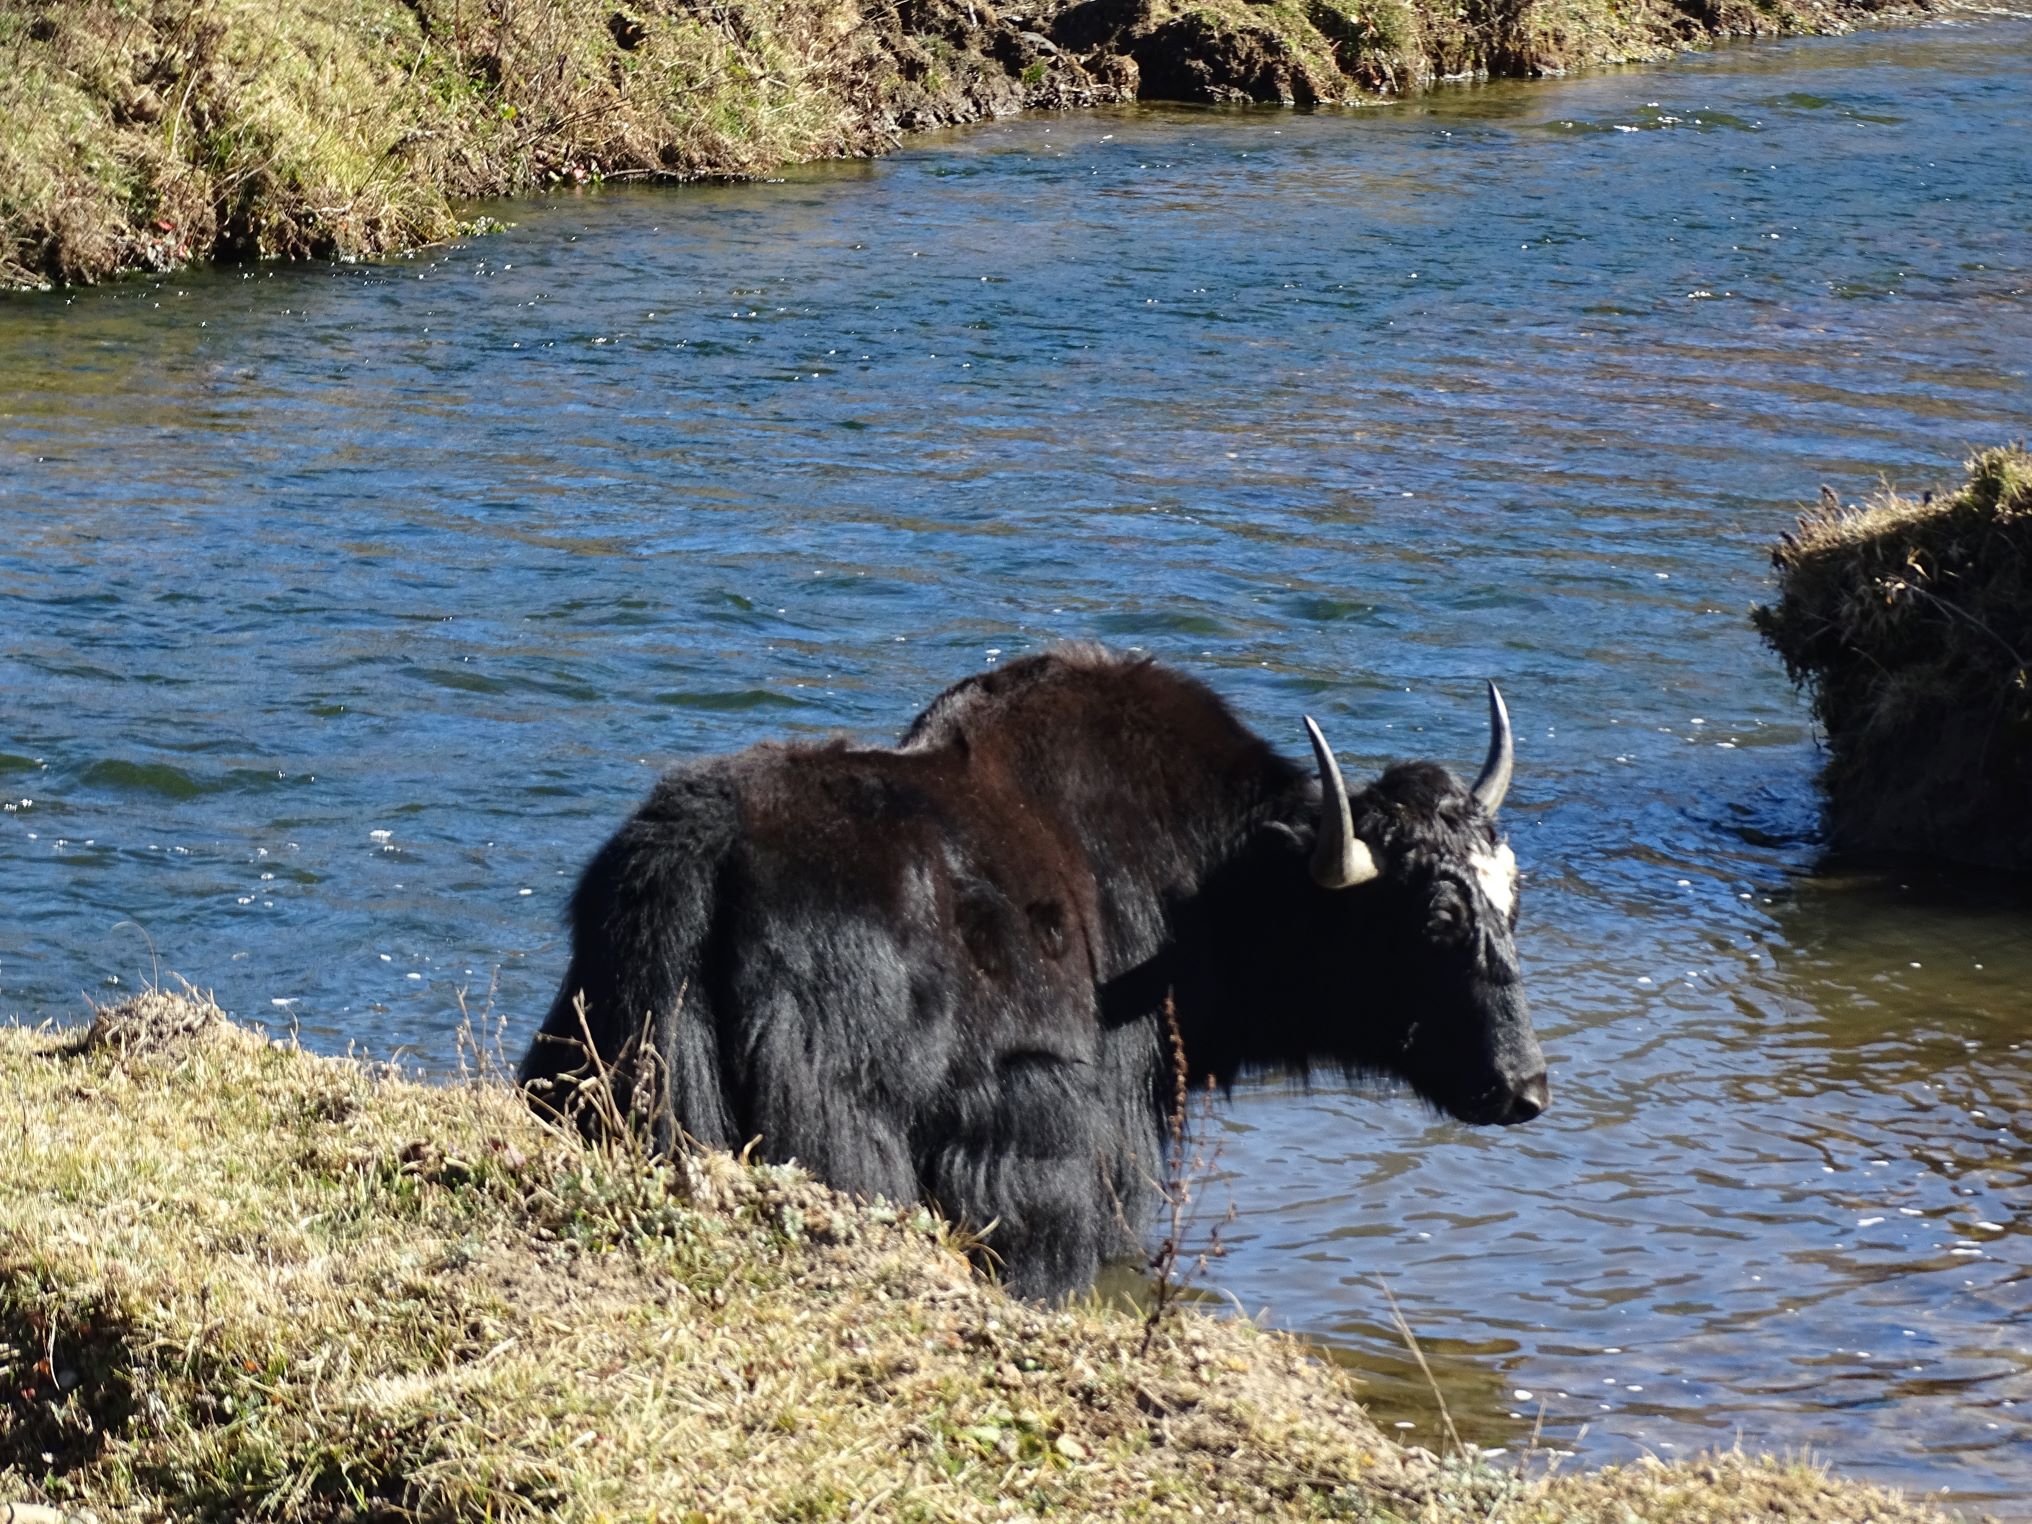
pixel 347 609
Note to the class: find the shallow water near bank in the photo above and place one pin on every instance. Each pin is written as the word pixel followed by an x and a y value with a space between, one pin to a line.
pixel 347 609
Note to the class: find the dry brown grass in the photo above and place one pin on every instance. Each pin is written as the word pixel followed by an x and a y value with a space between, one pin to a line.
pixel 1910 620
pixel 240 1281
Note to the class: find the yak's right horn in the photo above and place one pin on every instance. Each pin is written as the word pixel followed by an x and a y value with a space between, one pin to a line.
pixel 1340 858
pixel 1494 782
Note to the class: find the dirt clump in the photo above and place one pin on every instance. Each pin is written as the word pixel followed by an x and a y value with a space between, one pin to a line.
pixel 1910 623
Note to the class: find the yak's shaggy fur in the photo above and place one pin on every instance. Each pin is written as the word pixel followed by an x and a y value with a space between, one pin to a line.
pixel 939 971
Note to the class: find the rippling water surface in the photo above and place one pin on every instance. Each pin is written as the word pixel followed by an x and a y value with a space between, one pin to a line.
pixel 347 609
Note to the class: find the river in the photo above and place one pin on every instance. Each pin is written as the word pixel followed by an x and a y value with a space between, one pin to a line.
pixel 347 608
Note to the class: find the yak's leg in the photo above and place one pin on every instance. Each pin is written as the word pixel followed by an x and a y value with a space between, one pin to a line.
pixel 1027 1153
pixel 820 1050
pixel 634 993
pixel 1135 1064
pixel 833 1130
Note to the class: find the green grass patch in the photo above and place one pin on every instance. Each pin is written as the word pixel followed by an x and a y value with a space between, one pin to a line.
pixel 146 135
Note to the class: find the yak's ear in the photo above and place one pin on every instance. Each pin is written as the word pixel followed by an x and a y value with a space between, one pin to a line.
pixel 1288 835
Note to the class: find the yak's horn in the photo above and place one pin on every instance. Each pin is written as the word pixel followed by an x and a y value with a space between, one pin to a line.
pixel 1340 858
pixel 1494 782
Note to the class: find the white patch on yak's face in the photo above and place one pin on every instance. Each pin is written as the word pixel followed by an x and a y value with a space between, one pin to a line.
pixel 1496 872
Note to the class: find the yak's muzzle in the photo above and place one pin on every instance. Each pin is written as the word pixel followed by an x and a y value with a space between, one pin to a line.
pixel 1526 1101
pixel 1505 1104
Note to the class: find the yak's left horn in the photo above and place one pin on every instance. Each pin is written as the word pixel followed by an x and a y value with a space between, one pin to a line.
pixel 1340 858
pixel 1494 782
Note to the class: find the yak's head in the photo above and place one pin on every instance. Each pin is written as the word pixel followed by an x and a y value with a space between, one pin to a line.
pixel 1424 889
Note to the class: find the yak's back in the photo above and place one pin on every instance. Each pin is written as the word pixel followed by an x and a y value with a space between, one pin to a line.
pixel 1144 772
pixel 1157 739
pixel 1067 679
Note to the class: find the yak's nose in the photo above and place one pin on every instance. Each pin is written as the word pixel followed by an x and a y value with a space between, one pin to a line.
pixel 1528 1100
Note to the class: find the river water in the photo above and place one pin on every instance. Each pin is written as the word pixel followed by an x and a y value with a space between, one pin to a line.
pixel 348 608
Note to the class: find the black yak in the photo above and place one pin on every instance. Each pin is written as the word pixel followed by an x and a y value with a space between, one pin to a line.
pixel 939 971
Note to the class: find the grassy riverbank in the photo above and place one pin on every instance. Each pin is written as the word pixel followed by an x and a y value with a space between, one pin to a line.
pixel 145 134
pixel 1910 620
pixel 238 1280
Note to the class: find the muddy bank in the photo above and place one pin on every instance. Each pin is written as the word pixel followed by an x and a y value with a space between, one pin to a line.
pixel 239 1280
pixel 1910 623
pixel 142 137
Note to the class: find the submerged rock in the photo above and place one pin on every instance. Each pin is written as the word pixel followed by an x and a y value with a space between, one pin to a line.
pixel 1911 624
